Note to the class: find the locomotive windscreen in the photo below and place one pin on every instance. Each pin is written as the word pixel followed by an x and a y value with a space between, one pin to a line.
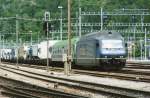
pixel 112 44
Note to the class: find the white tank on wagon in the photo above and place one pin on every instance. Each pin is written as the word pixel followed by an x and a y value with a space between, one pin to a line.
pixel 33 51
pixel 6 54
pixel 42 49
pixel 23 51
pixel 3 53
pixel 13 53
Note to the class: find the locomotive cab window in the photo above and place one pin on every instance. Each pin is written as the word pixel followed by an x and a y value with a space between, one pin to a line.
pixel 112 44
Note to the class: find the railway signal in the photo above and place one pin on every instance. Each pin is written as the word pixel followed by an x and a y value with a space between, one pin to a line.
pixel 46 24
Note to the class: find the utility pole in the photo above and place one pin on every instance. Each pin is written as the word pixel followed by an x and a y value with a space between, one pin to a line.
pixel 142 22
pixel 0 49
pixel 145 43
pixel 80 29
pixel 17 31
pixel 76 34
pixel 141 49
pixel 30 32
pixel 134 44
pixel 67 66
pixel 101 19
pixel 38 36
pixel 3 42
pixel 47 19
pixel 60 7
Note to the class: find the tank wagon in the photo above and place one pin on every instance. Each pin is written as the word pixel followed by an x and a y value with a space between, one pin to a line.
pixel 37 53
pixel 42 51
pixel 33 52
pixel 6 54
pixel 23 52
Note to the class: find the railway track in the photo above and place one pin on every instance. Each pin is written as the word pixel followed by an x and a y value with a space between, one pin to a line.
pixel 16 92
pixel 24 91
pixel 93 87
pixel 125 74
pixel 138 66
pixel 31 91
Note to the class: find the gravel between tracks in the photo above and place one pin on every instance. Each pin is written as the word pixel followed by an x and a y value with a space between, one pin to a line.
pixel 99 80
pixel 106 81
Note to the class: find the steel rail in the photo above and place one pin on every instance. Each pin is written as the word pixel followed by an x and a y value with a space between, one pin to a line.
pixel 125 74
pixel 16 93
pixel 63 94
pixel 91 86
